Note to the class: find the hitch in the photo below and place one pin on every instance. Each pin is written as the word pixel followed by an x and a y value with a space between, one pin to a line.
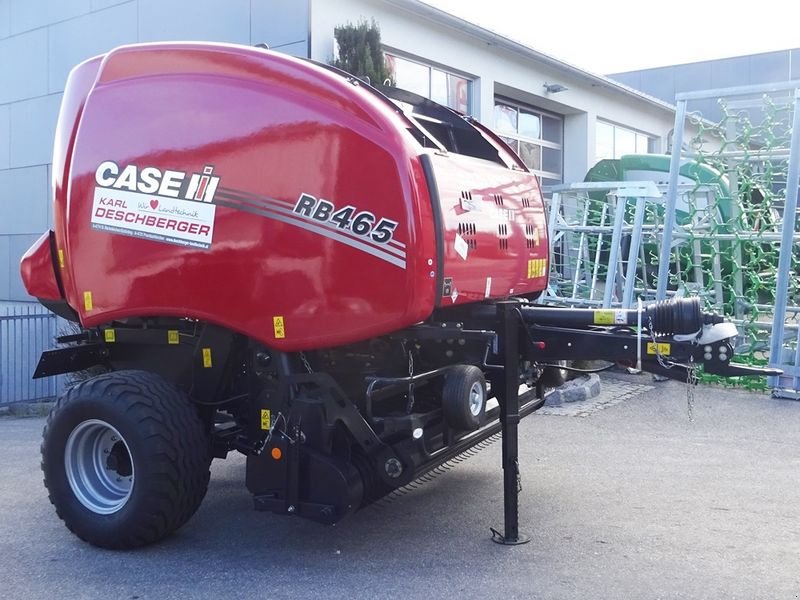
pixel 666 338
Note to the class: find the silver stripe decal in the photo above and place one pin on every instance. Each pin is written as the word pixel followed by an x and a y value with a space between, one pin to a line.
pixel 287 208
pixel 314 228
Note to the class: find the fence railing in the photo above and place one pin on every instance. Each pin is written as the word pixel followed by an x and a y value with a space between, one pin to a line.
pixel 725 227
pixel 25 332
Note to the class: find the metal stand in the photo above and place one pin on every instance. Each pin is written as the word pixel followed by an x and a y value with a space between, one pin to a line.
pixel 508 397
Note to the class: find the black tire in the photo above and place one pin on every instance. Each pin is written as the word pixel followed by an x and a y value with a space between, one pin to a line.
pixel 155 429
pixel 460 382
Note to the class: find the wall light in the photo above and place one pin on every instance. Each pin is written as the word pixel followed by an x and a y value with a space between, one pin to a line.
pixel 554 88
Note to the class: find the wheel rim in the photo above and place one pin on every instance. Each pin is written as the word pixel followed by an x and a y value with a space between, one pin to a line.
pixel 99 467
pixel 476 398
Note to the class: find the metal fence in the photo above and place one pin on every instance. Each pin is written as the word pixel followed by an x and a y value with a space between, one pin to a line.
pixel 719 220
pixel 25 332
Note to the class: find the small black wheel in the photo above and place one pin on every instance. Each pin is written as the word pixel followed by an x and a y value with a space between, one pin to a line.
pixel 464 398
pixel 125 459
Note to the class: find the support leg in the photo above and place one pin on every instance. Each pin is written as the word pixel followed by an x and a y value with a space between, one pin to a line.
pixel 508 397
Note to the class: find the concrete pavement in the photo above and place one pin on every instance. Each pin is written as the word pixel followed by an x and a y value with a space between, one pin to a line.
pixel 626 501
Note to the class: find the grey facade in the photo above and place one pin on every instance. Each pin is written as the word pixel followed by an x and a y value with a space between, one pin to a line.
pixel 41 40
pixel 665 82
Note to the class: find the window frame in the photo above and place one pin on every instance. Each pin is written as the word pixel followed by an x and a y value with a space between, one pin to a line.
pixel 541 173
pixel 392 53
pixel 652 140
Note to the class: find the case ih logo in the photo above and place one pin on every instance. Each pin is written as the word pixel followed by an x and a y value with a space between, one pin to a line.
pixel 150 180
pixel 163 206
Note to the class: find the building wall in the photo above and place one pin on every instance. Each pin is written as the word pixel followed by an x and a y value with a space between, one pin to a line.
pixel 495 70
pixel 41 40
pixel 666 82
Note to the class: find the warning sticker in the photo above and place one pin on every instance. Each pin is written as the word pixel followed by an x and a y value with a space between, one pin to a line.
pixel 158 218
pixel 604 317
pixel 461 247
pixel 661 348
pixel 266 419
pixel 279 328
pixel 537 267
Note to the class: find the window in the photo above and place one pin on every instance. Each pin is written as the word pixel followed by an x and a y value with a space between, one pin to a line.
pixel 440 86
pixel 613 141
pixel 535 135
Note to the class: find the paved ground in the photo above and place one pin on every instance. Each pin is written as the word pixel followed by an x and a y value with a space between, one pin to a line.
pixel 626 501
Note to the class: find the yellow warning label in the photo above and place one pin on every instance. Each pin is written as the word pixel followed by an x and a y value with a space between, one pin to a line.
pixel 172 336
pixel 278 326
pixel 536 236
pixel 110 336
pixel 537 267
pixel 87 301
pixel 266 419
pixel 604 317
pixel 663 348
pixel 61 258
pixel 207 358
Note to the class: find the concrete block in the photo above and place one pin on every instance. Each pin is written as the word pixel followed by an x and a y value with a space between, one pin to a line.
pixel 575 390
pixel 23 66
pixel 23 200
pixel 19 244
pixel 33 126
pixel 28 409
pixel 31 14
pixel 206 20
pixel 5 135
pixel 73 41
pixel 280 23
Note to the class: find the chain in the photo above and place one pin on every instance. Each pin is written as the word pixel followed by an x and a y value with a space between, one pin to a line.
pixel 659 356
pixel 306 364
pixel 691 381
pixel 410 405
pixel 691 372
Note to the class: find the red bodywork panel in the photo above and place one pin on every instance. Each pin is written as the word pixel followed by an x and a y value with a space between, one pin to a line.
pixel 270 196
pixel 38 270
pixel 495 233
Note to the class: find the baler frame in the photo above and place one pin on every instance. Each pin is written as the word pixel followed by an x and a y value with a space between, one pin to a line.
pixel 511 341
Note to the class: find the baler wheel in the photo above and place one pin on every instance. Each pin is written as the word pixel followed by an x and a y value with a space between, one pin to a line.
pixel 125 459
pixel 464 398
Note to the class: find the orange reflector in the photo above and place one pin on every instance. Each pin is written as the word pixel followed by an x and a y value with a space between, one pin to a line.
pixel 276 453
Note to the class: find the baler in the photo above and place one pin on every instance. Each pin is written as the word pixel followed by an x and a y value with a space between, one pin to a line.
pixel 265 255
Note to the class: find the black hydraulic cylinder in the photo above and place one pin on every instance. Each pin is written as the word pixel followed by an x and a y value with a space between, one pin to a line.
pixel 507 393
